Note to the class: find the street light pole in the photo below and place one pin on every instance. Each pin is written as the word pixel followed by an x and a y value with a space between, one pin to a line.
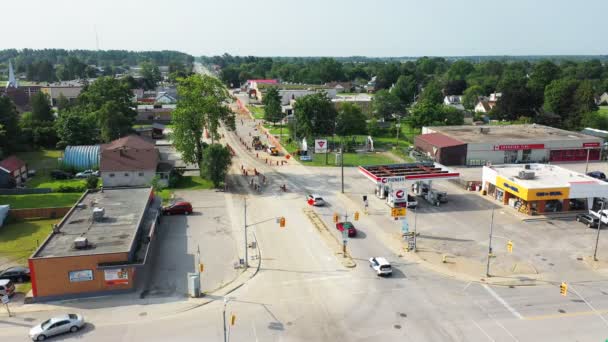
pixel 245 222
pixel 599 227
pixel 415 219
pixel 490 245
pixel 342 162
pixel 224 316
pixel 587 163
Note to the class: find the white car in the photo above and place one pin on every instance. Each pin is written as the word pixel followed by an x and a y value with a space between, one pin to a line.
pixel 87 173
pixel 381 266
pixel 315 200
pixel 57 325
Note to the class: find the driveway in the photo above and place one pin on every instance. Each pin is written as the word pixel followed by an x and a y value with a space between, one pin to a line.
pixel 209 229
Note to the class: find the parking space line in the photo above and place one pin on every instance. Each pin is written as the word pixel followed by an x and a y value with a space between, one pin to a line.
pixel 483 331
pixel 502 301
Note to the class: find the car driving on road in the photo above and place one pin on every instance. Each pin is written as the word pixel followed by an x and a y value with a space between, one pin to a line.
pixel 57 325
pixel 350 228
pixel 381 266
pixel 316 200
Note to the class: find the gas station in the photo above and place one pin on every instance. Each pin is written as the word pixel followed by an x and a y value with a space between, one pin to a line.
pixel 391 181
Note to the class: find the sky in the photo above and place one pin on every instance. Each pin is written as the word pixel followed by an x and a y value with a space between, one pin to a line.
pixel 312 27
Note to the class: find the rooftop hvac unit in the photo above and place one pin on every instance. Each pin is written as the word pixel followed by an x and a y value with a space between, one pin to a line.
pixel 526 175
pixel 81 242
pixel 98 214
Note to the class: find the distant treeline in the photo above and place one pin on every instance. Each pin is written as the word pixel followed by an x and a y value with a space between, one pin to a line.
pixel 59 64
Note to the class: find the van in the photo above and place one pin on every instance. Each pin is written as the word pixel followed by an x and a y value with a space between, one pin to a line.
pixel 7 288
pixel 381 266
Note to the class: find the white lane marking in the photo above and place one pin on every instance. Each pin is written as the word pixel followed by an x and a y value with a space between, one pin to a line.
pixel 502 301
pixel 315 279
pixel 255 333
pixel 505 329
pixel 467 286
pixel 483 331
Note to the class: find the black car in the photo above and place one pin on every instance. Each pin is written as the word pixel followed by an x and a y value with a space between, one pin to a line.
pixel 597 174
pixel 590 220
pixel 59 174
pixel 16 274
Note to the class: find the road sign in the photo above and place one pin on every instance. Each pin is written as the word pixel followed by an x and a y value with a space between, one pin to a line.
pixel 5 299
pixel 320 146
pixel 405 227
pixel 399 193
pixel 411 243
pixel 398 212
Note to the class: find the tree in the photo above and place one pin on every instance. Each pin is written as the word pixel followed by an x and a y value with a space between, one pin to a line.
pixel 426 113
pixel 73 128
pixel 455 87
pixel 543 73
pixel 41 110
pixel 432 93
pixel 150 74
pixel 405 89
pixel 594 120
pixel 37 132
pixel 459 70
pixel 112 123
pixel 9 124
pixel 559 98
pixel 350 120
pixel 202 104
pixel 272 105
pixel 385 104
pixel 315 115
pixel 330 70
pixel 63 103
pixel 215 164
pixel 471 96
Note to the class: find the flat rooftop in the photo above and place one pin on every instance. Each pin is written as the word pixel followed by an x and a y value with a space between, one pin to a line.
pixel 114 233
pixel 509 133
pixel 403 172
pixel 545 175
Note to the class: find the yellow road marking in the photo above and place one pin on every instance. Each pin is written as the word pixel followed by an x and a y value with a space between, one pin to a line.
pixel 567 314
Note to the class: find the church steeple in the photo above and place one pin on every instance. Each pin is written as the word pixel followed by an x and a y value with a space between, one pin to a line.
pixel 12 81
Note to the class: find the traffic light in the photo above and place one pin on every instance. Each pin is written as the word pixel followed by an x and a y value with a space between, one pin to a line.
pixel 336 218
pixel 282 222
pixel 201 267
pixel 510 246
pixel 356 216
pixel 232 319
pixel 563 289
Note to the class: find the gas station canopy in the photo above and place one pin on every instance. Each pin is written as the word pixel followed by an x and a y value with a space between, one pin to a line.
pixel 382 174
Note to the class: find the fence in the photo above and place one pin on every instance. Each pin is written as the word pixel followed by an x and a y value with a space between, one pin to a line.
pixel 24 191
pixel 47 213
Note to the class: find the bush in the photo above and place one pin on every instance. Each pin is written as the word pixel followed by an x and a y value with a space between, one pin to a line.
pixel 68 188
pixel 92 182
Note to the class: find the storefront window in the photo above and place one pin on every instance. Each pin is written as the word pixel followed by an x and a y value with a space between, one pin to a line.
pixel 525 157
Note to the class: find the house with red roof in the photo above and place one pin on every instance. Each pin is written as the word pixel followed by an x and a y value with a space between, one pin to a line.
pixel 13 172
pixel 128 161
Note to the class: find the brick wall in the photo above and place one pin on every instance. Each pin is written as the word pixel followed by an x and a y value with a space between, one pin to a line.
pixel 38 213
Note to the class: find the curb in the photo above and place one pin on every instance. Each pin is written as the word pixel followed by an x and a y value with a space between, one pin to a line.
pixel 347 260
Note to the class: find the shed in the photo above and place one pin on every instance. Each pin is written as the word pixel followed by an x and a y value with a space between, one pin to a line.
pixel 443 149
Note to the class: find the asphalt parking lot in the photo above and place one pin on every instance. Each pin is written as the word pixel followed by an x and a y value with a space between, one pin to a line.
pixel 209 229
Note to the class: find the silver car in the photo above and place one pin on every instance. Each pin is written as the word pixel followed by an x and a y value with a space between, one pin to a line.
pixel 57 325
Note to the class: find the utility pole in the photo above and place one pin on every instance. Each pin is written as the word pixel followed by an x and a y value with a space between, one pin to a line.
pixel 246 247
pixel 599 227
pixel 415 219
pixel 342 162
pixel 224 316
pixel 587 163
pixel 490 244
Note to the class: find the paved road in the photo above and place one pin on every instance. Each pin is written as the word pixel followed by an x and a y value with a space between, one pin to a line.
pixel 303 293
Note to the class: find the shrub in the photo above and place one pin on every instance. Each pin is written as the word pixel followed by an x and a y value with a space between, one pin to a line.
pixel 69 188
pixel 92 182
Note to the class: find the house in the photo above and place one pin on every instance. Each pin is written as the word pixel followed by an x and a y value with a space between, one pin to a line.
pixel 454 101
pixel 164 97
pixel 13 172
pixel 128 161
pixel 370 87
pixel 484 106
pixel 602 99
pixel 340 87
pixel 154 113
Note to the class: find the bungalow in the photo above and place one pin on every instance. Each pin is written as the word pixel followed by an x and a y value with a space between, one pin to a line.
pixel 164 97
pixel 602 100
pixel 13 172
pixel 484 106
pixel 454 101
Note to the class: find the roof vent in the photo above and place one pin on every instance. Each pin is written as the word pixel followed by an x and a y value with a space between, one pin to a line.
pixel 98 214
pixel 81 242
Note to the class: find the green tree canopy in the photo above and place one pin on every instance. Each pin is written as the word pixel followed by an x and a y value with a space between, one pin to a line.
pixel 9 126
pixel 315 115
pixel 272 105
pixel 431 114
pixel 350 120
pixel 73 128
pixel 41 109
pixel 385 104
pixel 216 162
pixel 405 89
pixel 471 95
pixel 432 93
pixel 150 74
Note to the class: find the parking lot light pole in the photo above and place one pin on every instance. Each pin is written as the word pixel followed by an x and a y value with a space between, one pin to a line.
pixel 599 227
pixel 490 244
pixel 245 223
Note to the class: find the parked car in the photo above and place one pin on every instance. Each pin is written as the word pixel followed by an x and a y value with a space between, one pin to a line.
pixel 350 228
pixel 59 174
pixel 7 288
pixel 597 174
pixel 87 173
pixel 588 219
pixel 56 326
pixel 315 200
pixel 16 274
pixel 177 208
pixel 381 266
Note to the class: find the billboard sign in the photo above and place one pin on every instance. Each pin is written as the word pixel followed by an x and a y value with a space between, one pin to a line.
pixel 320 145
pixel 591 144
pixel 116 276
pixel 81 275
pixel 517 147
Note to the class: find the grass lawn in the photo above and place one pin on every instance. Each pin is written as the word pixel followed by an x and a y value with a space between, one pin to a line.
pixel 276 129
pixel 193 183
pixel 45 181
pixel 40 200
pixel 603 110
pixel 165 195
pixel 350 159
pixel 258 112
pixel 43 159
pixel 18 240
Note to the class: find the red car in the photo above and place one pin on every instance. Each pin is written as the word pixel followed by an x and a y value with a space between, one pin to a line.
pixel 352 232
pixel 178 208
